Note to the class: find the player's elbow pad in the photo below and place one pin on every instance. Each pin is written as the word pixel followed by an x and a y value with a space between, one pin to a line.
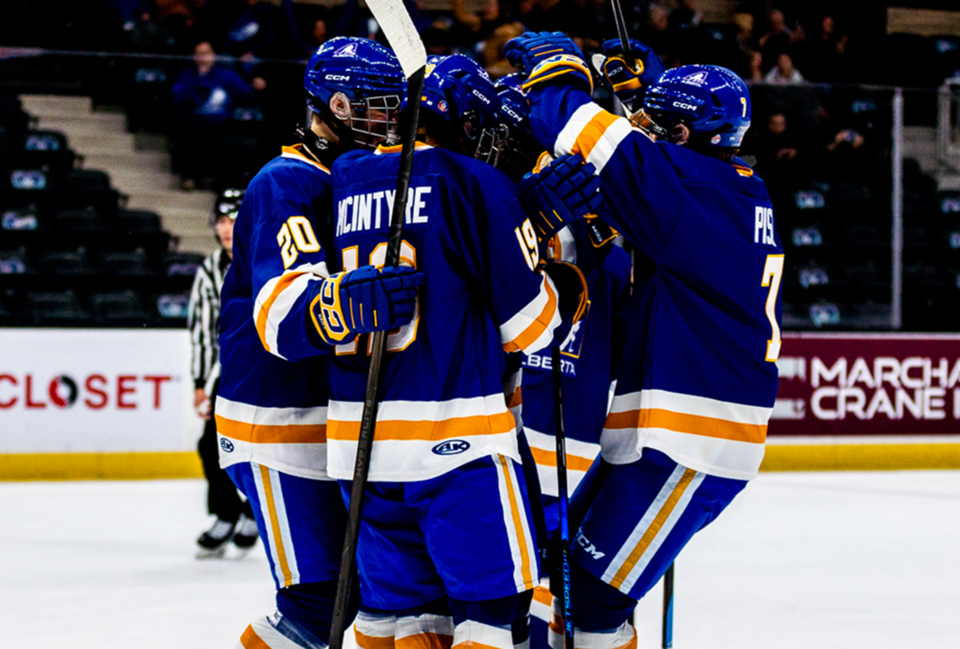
pixel 573 296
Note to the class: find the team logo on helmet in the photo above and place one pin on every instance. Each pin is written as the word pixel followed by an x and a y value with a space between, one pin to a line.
pixel 442 106
pixel 696 79
pixel 347 50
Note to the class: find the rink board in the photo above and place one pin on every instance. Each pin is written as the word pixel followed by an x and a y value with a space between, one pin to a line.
pixel 117 404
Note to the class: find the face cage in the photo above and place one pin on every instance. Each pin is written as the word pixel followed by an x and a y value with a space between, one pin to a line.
pixel 375 120
pixel 493 145
pixel 645 123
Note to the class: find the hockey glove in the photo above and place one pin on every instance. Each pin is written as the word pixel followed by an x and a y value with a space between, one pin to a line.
pixel 364 300
pixel 560 194
pixel 629 76
pixel 548 55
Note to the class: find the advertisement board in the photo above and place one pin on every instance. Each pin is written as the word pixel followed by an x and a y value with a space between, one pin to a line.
pixel 95 391
pixel 868 384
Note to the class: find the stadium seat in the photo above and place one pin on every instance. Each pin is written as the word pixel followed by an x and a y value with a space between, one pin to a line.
pixel 20 218
pixel 85 220
pixel 137 221
pixel 173 307
pixel 13 262
pixel 56 308
pixel 125 263
pixel 182 264
pixel 117 308
pixel 86 180
pixel 63 262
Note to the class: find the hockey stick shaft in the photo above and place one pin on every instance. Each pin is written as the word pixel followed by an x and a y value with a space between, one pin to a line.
pixel 396 23
pixel 667 635
pixel 563 498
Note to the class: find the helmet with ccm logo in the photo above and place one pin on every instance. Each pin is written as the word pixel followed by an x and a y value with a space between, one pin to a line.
pixel 713 102
pixel 356 79
pixel 460 92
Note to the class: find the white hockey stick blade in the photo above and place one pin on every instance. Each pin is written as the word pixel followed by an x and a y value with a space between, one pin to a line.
pixel 402 35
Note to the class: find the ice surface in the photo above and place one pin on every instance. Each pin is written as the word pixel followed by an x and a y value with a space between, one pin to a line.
pixel 798 560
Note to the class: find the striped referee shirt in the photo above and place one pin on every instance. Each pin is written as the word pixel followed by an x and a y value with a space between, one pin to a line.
pixel 203 319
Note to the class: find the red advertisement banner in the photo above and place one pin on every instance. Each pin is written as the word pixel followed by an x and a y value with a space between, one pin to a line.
pixel 868 384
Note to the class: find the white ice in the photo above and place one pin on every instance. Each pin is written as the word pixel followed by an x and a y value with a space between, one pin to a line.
pixel 798 560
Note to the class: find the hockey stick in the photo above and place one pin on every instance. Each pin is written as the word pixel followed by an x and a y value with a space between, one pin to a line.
pixel 563 499
pixel 667 630
pixel 402 35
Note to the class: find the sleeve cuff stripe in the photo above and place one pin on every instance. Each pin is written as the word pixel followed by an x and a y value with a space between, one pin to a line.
pixel 542 323
pixel 280 284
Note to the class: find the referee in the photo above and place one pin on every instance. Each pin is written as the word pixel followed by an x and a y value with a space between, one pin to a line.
pixel 235 520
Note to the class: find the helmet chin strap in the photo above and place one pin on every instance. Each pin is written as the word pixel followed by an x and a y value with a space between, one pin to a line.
pixel 319 147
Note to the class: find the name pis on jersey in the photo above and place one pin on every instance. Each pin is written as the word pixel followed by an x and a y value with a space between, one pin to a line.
pixel 371 211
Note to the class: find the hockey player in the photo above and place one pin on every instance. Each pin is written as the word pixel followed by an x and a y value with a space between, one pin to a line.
pixel 272 408
pixel 446 524
pixel 698 381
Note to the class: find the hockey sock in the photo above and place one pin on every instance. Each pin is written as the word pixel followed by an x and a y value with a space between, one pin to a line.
pixel 309 609
pixel 599 607
pixel 425 627
pixel 488 622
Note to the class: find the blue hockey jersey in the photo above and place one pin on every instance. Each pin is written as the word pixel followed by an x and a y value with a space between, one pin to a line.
pixel 272 404
pixel 699 375
pixel 589 357
pixel 445 373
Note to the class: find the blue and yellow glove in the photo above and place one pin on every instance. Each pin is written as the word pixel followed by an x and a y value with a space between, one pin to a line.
pixel 629 76
pixel 364 300
pixel 548 55
pixel 560 194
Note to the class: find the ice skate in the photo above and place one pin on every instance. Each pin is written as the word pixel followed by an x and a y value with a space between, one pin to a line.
pixel 213 542
pixel 245 536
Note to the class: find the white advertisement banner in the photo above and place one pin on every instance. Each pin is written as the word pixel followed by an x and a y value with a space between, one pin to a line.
pixel 107 390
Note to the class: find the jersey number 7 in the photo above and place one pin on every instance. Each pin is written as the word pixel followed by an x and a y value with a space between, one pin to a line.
pixel 772 274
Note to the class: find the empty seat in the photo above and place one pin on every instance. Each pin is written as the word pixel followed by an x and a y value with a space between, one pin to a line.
pixel 173 306
pixel 125 263
pixel 85 220
pixel 13 262
pixel 63 262
pixel 117 308
pixel 86 180
pixel 137 221
pixel 49 308
pixel 182 264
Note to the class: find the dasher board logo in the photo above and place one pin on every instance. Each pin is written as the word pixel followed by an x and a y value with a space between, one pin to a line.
pixel 95 391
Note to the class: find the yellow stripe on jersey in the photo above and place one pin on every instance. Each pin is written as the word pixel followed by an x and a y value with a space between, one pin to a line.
pixel 263 314
pixel 593 132
pixel 295 153
pixel 250 640
pixel 455 427
pixel 523 340
pixel 687 423
pixel 267 434
pixel 653 529
pixel 518 521
pixel 547 458
pixel 275 526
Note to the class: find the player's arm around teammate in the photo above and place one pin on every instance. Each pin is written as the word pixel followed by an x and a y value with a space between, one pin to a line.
pixel 698 382
pixel 272 407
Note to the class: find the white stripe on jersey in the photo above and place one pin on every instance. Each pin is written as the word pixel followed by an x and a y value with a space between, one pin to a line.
pixel 529 316
pixel 264 416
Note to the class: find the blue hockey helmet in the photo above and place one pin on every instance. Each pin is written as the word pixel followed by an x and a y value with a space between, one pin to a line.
pixel 355 84
pixel 460 92
pixel 713 102
pixel 519 154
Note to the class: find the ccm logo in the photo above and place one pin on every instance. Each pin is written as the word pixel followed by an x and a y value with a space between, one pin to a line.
pixel 337 77
pixel 451 447
pixel 683 106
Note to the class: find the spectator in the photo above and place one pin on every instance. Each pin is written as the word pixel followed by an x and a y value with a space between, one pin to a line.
pixel 824 56
pixel 318 33
pixel 204 95
pixel 783 73
pixel 776 151
pixel 776 40
pixel 493 60
pixel 684 16
pixel 234 515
